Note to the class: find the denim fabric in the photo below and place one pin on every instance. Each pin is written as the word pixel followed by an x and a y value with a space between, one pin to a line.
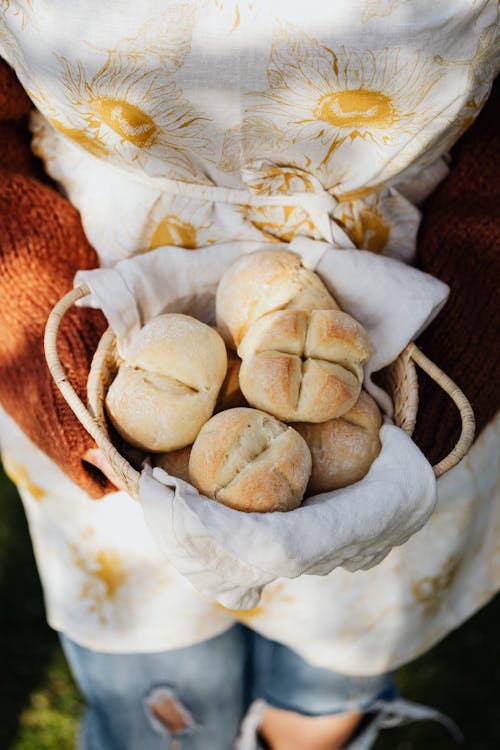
pixel 211 686
pixel 285 680
pixel 207 679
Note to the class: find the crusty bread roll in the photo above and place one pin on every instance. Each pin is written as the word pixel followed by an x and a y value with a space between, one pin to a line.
pixel 264 281
pixel 343 449
pixel 175 463
pixel 230 395
pixel 249 461
pixel 167 388
pixel 303 367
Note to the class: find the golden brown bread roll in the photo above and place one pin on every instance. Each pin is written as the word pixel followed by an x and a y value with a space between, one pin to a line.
pixel 303 366
pixel 175 463
pixel 343 449
pixel 168 386
pixel 264 281
pixel 249 461
pixel 230 395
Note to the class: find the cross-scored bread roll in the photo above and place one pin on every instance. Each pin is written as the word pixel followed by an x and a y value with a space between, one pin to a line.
pixel 343 449
pixel 167 388
pixel 304 367
pixel 264 281
pixel 249 461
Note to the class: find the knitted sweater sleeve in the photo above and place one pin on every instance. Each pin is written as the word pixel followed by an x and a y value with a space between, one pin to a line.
pixel 42 245
pixel 459 244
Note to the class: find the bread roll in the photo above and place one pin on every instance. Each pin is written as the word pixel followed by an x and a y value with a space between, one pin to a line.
pixel 175 463
pixel 249 461
pixel 230 395
pixel 264 281
pixel 303 367
pixel 167 387
pixel 343 449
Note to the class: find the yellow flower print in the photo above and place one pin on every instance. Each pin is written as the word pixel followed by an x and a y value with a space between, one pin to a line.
pixel 241 142
pixel 347 94
pixel 83 139
pixel 383 222
pixel 466 118
pixel 230 8
pixel 133 115
pixel 279 223
pixel 181 222
pixel 365 226
pixel 20 475
pixel 173 231
pixel 104 574
pixel 429 591
pixel 166 36
pixel 481 69
pixel 19 8
pixel 324 97
pixel 230 14
pixel 273 594
pixel 241 614
pixel 267 178
pixel 379 8
pixel 11 15
pixel 483 65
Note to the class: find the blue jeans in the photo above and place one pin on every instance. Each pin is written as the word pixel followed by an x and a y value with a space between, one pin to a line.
pixel 196 698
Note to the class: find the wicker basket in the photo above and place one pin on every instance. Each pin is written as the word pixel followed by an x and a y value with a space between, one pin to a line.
pixel 401 378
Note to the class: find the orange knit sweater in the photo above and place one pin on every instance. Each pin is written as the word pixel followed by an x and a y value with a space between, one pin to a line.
pixel 42 245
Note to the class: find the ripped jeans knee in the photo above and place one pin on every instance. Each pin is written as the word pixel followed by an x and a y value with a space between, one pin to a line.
pixel 185 699
pixel 169 716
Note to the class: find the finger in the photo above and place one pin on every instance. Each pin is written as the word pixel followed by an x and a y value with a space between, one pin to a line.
pixel 96 457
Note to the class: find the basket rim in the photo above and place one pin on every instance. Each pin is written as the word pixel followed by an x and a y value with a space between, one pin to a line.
pixel 91 418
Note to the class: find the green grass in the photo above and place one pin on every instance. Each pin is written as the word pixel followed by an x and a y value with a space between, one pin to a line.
pixel 40 705
pixel 460 677
pixel 49 719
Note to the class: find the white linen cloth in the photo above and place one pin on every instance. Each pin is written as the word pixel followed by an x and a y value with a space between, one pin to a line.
pixel 230 556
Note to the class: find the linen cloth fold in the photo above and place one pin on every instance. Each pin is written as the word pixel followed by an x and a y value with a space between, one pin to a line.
pixel 230 556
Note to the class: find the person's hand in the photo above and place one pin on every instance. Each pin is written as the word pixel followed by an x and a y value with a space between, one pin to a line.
pixel 96 457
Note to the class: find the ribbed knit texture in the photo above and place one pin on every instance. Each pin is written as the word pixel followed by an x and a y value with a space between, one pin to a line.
pixel 15 152
pixel 459 244
pixel 42 245
pixel 14 102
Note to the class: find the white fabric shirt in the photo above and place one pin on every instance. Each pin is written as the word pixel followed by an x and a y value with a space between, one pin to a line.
pixel 191 123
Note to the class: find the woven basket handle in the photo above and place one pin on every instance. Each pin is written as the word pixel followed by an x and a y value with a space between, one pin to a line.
pixel 466 414
pixel 125 472
pixel 130 477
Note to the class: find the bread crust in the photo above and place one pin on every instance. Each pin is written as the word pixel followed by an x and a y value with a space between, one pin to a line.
pixel 230 395
pixel 249 461
pixel 343 449
pixel 263 282
pixel 168 386
pixel 304 366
